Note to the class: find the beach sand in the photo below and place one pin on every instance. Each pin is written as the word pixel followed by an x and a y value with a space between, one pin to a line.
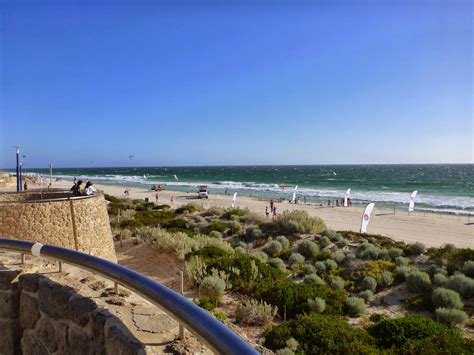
pixel 428 228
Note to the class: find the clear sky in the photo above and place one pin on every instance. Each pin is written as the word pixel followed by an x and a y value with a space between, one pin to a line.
pixel 228 82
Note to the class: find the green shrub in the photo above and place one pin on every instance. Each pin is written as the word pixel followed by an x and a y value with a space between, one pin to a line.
pixel 215 234
pixel 442 297
pixel 313 279
pixel 240 250
pixel 216 225
pixel 219 315
pixel 286 294
pixel 395 332
pixel 308 249
pixel 213 287
pixel 207 303
pixel 418 281
pixel 190 207
pixel 285 243
pixel 253 312
pixel 401 261
pixel 450 316
pixel 317 305
pixel 349 257
pixel 324 242
pixel 366 295
pixel 395 253
pixel 320 267
pixel 384 279
pixel 416 248
pixel 274 248
pixel 210 252
pixel 368 283
pixel 461 284
pixel 308 269
pixel 445 344
pixel 337 283
pixel 330 233
pixel 214 211
pixel 323 255
pixel 330 264
pixel 291 346
pixel 294 222
pixel 368 251
pixel 439 279
pixel 296 260
pixel 355 306
pixel 377 317
pixel 234 227
pixel 252 233
pixel 468 268
pixel 277 263
pixel 453 258
pixel 339 257
pixel 260 255
pixel 403 271
pixel 239 212
pixel 320 334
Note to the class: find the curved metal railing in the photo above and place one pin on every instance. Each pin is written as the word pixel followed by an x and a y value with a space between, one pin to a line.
pixel 208 329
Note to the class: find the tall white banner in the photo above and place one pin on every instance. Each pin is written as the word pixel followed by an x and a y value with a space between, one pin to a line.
pixel 234 199
pixel 366 217
pixel 348 193
pixel 411 206
pixel 293 199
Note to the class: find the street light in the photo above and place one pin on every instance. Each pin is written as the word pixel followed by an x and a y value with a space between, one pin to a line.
pixel 18 184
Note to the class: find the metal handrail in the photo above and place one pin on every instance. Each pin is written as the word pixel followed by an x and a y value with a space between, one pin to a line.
pixel 208 329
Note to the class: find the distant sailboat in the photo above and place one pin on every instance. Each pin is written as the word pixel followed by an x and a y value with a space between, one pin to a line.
pixel 176 177
pixel 334 173
pixel 144 176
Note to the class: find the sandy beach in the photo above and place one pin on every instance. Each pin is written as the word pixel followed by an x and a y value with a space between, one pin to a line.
pixel 429 228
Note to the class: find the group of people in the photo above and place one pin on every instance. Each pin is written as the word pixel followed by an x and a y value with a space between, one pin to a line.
pixel 341 202
pixel 127 192
pixel 273 209
pixel 79 190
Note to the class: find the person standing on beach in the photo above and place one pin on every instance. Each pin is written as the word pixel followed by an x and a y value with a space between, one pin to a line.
pixel 274 210
pixel 271 205
pixel 156 197
pixel 172 199
pixel 304 199
pixel 266 211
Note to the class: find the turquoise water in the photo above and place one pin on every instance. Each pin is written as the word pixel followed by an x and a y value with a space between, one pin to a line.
pixel 443 188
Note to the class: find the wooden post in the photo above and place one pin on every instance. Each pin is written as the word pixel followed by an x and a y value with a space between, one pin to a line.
pixel 22 258
pixel 60 266
pixel 116 288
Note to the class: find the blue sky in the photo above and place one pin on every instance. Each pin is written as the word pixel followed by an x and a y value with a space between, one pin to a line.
pixel 177 83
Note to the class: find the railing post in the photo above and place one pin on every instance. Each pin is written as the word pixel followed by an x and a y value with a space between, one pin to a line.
pixel 60 266
pixel 22 258
pixel 116 288
pixel 181 326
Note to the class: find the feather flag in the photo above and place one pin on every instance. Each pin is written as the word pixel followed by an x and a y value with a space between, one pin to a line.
pixel 411 206
pixel 366 217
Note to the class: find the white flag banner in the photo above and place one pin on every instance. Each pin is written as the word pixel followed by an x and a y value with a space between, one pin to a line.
pixel 411 206
pixel 366 217
pixel 234 199
pixel 293 199
pixel 348 193
pixel 176 177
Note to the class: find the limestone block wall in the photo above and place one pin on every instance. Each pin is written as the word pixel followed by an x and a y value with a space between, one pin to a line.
pixel 58 218
pixel 39 316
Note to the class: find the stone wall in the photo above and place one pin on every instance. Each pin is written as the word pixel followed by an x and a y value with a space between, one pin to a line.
pixel 57 218
pixel 39 316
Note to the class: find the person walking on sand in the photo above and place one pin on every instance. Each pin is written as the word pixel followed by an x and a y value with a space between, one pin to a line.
pixel 172 199
pixel 156 197
pixel 271 204
pixel 274 211
pixel 266 211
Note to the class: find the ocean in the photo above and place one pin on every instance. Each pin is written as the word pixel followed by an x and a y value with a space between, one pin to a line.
pixel 441 188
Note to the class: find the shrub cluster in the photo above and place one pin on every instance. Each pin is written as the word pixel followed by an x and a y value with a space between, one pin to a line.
pixel 450 316
pixel 442 297
pixel 320 334
pixel 317 305
pixel 277 263
pixel 285 243
pixel 274 248
pixel 213 287
pixel 368 283
pixel 253 312
pixel 461 284
pixel 308 249
pixel 355 307
pixel 294 222
pixel 418 281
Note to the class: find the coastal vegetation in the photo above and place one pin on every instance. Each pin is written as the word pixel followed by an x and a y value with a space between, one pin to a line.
pixel 307 289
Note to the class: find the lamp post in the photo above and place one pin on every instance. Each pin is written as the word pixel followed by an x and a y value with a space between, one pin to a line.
pixel 17 169
pixel 21 182
pixel 50 175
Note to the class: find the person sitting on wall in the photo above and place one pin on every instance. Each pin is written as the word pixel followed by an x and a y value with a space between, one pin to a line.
pixel 89 189
pixel 77 189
